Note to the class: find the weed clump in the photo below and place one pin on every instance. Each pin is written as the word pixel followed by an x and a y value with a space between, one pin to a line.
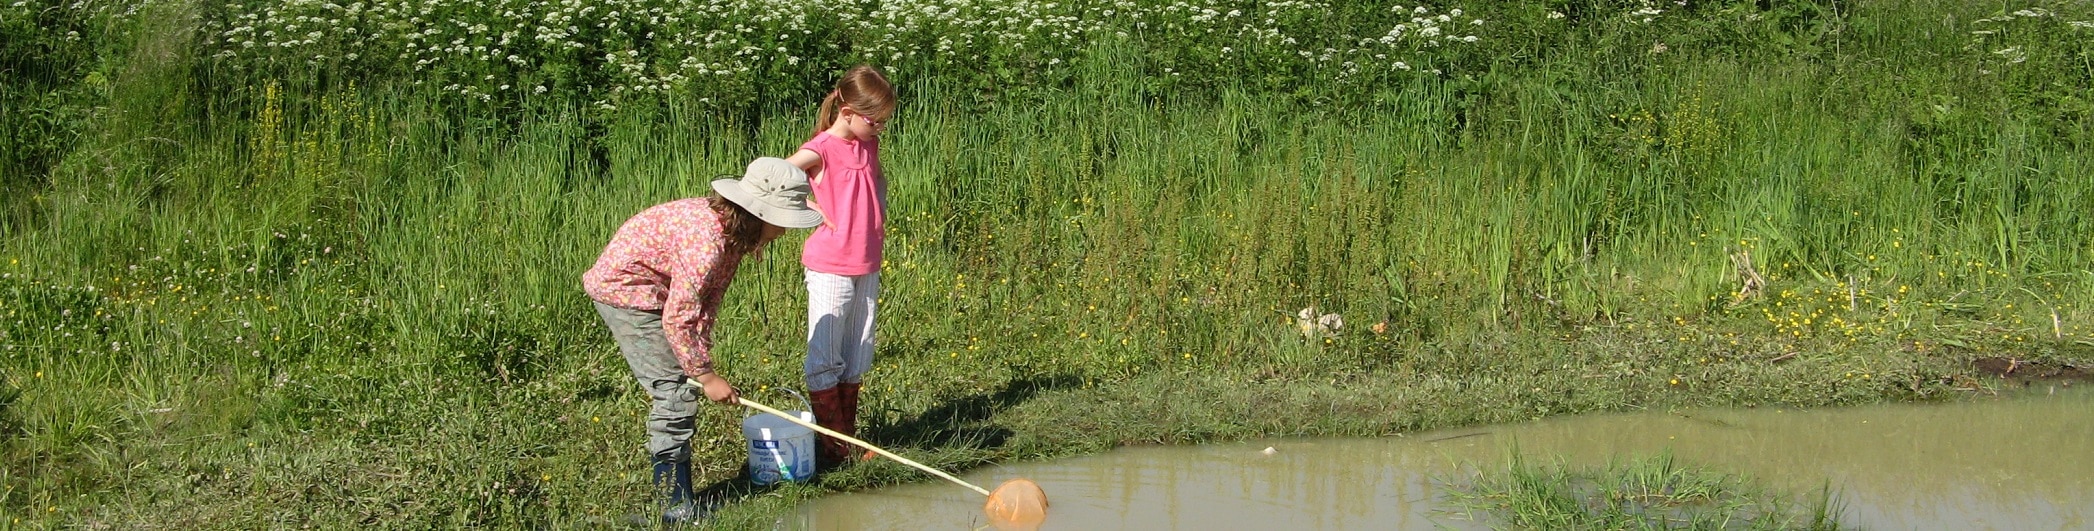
pixel 1641 493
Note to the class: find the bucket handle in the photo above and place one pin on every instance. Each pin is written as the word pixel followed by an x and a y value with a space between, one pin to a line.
pixel 751 412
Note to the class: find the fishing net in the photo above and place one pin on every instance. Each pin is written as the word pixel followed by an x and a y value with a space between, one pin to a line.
pixel 1017 504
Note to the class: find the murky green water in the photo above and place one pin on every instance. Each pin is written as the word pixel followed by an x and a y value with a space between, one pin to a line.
pixel 2024 463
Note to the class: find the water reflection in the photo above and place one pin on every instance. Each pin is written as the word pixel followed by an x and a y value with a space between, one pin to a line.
pixel 2024 463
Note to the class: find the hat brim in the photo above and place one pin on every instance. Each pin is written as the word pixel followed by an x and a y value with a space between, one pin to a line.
pixel 791 218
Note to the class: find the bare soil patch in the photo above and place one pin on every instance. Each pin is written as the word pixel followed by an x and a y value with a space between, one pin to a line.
pixel 2029 371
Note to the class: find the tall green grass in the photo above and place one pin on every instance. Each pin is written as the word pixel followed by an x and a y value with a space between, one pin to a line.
pixel 239 304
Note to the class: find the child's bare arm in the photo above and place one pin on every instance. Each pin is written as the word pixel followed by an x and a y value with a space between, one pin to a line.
pixel 808 161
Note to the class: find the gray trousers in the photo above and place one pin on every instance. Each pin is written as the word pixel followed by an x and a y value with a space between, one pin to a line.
pixel 646 351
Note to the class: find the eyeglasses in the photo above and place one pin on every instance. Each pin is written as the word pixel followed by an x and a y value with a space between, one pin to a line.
pixel 875 124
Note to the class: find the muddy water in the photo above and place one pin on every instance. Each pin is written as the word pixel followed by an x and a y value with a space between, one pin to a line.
pixel 2022 463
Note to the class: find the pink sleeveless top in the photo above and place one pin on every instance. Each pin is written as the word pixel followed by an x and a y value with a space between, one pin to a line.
pixel 853 200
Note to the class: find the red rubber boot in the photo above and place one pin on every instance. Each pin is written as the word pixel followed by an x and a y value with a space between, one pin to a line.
pixel 828 413
pixel 847 417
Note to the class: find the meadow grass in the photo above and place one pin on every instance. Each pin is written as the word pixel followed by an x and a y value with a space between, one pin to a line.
pixel 261 306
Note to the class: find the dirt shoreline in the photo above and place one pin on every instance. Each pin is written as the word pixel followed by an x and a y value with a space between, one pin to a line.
pixel 2025 372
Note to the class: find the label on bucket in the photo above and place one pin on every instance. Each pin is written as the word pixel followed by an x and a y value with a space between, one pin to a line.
pixel 778 451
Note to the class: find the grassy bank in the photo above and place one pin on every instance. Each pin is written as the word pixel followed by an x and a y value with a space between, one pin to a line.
pixel 245 301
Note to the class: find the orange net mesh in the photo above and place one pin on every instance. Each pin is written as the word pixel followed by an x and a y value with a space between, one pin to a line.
pixel 1017 504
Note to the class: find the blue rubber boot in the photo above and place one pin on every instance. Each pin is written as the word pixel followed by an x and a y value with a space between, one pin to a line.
pixel 672 481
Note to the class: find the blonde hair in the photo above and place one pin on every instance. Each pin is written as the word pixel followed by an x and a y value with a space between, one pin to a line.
pixel 864 89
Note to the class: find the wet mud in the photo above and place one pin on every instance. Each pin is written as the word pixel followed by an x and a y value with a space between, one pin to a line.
pixel 2028 372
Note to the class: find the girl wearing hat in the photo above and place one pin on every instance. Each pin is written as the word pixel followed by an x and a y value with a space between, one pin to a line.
pixel 658 286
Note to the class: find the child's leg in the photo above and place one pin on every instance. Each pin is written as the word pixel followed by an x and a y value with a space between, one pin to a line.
pixel 828 307
pixel 828 310
pixel 858 326
pixel 669 420
pixel 858 356
pixel 646 351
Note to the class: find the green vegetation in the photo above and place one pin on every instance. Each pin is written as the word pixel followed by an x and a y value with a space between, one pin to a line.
pixel 240 290
pixel 1644 493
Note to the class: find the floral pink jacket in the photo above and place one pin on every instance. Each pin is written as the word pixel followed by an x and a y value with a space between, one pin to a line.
pixel 670 258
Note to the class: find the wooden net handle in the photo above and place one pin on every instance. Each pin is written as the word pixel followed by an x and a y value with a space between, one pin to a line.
pixel 853 440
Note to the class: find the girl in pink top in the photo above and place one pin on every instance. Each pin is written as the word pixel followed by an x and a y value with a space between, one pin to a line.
pixel 842 257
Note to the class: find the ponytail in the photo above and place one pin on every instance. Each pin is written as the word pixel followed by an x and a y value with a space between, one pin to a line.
pixel 864 89
pixel 826 116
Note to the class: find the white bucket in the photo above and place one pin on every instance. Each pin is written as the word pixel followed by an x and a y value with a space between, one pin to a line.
pixel 779 450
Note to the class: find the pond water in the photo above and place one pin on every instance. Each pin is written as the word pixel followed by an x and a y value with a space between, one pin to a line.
pixel 2022 463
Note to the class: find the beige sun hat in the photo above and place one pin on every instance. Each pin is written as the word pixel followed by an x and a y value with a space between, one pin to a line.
pixel 775 191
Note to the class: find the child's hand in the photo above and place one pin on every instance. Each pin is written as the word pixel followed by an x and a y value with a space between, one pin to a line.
pixel 718 389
